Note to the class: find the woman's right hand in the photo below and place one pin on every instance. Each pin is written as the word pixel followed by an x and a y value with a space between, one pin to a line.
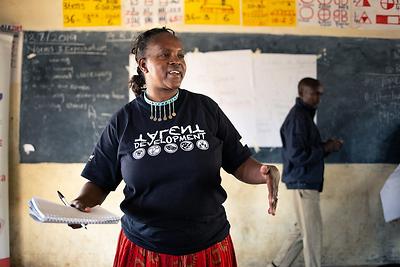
pixel 81 206
pixel 91 195
pixel 273 179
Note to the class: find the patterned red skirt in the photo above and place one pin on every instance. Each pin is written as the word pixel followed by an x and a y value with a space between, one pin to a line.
pixel 129 254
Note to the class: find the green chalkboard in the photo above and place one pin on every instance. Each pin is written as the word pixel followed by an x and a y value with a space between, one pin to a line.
pixel 72 82
pixel 361 102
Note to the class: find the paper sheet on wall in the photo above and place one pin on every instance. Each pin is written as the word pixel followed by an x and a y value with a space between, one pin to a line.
pixel 362 14
pixel 269 13
pixel 390 196
pixel 370 14
pixel 132 71
pixel 324 13
pixel 5 74
pixel 226 77
pixel 16 59
pixel 225 12
pixel 275 80
pixel 78 13
pixel 137 13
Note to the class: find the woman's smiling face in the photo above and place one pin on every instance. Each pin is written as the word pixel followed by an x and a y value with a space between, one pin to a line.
pixel 163 64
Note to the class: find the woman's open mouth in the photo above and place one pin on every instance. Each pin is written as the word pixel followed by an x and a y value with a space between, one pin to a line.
pixel 175 73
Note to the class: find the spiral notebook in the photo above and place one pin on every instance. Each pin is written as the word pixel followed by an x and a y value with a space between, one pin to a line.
pixel 46 211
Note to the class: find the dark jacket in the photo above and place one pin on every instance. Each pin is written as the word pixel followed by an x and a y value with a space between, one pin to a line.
pixel 302 152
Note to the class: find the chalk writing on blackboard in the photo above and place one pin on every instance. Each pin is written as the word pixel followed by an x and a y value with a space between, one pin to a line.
pixel 386 97
pixel 72 84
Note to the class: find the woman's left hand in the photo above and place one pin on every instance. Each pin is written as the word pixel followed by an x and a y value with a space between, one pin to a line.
pixel 272 177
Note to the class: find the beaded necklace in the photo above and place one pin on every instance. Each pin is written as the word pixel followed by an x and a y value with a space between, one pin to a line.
pixel 162 107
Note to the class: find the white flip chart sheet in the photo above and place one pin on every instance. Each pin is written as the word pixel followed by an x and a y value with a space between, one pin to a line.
pixel 390 196
pixel 275 80
pixel 226 77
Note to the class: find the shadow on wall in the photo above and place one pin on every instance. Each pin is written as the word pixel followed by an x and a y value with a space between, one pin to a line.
pixel 393 148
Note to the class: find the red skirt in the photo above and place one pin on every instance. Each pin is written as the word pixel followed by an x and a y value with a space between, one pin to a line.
pixel 129 254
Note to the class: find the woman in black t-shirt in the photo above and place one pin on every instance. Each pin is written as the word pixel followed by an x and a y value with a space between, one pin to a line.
pixel 168 145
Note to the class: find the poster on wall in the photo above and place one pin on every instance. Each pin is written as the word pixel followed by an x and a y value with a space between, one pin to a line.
pixel 78 13
pixel 359 14
pixel 16 30
pixel 376 14
pixel 136 13
pixel 6 41
pixel 269 13
pixel 324 13
pixel 217 12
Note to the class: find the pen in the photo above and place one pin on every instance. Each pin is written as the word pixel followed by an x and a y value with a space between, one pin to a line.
pixel 64 200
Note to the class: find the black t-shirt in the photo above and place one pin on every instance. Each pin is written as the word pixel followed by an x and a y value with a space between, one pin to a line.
pixel 173 193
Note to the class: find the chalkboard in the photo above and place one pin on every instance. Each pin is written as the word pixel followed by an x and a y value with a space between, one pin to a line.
pixel 361 103
pixel 72 82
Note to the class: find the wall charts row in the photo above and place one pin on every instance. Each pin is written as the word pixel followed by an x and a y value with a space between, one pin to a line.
pixel 360 14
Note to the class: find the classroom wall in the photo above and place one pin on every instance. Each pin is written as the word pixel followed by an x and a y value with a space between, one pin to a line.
pixel 354 230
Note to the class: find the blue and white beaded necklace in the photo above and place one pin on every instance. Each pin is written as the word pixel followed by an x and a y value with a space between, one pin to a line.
pixel 162 107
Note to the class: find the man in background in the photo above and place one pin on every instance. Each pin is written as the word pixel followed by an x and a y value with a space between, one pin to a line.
pixel 303 170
